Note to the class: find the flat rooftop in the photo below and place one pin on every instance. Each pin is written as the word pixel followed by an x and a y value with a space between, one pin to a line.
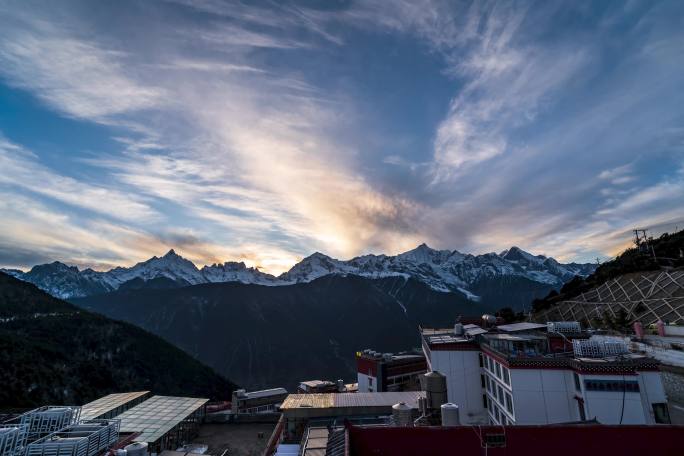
pixel 335 400
pixel 265 393
pixel 523 326
pixel 158 415
pixel 108 403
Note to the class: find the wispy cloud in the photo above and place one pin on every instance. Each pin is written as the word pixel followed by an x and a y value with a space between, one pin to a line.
pixel 77 77
pixel 23 170
pixel 234 128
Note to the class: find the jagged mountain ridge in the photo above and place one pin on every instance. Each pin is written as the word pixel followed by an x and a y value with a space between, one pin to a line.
pixel 442 270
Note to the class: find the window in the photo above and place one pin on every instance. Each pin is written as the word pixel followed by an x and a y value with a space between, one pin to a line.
pixel 661 413
pixel 497 414
pixel 506 376
pixel 499 393
pixel 509 403
pixel 498 370
pixel 578 385
pixel 487 363
pixel 489 384
pixel 479 355
pixel 629 386
pixel 370 381
pixel 484 401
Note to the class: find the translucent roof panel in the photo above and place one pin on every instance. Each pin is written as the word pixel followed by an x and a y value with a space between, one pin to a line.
pixel 108 403
pixel 158 415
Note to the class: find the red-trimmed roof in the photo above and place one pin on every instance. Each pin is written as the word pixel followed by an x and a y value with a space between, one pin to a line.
pixel 552 440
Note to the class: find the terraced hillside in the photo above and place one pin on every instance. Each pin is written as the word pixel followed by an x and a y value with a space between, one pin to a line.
pixel 643 296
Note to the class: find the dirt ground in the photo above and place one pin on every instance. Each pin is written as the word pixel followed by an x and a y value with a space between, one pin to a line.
pixel 235 439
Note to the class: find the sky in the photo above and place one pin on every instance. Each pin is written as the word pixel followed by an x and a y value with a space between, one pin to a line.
pixel 266 131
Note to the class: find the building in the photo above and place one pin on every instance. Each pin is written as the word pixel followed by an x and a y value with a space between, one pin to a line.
pixel 300 409
pixel 112 405
pixel 164 422
pixel 320 386
pixel 256 402
pixel 529 373
pixel 558 440
pixel 382 372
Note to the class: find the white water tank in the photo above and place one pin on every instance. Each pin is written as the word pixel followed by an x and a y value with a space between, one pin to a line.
pixel 450 414
pixel 136 449
pixel 401 414
pixel 458 329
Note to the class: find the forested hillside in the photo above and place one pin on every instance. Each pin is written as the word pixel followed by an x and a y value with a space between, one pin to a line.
pixel 52 352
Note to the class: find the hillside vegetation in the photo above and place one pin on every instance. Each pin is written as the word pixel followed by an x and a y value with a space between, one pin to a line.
pixel 668 250
pixel 52 352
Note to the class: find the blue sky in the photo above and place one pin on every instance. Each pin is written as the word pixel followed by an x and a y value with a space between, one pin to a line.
pixel 264 131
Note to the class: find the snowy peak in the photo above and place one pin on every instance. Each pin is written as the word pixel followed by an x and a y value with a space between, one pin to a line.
pixel 232 271
pixel 424 254
pixel 314 266
pixel 442 270
pixel 518 254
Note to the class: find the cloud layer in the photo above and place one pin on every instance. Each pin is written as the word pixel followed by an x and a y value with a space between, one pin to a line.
pixel 254 132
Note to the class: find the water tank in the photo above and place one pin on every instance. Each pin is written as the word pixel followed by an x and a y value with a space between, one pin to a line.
pixel 458 329
pixel 340 386
pixel 401 414
pixel 488 320
pixel 423 406
pixel 450 415
pixel 136 449
pixel 435 388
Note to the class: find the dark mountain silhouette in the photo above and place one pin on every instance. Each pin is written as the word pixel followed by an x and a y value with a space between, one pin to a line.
pixel 265 336
pixel 52 352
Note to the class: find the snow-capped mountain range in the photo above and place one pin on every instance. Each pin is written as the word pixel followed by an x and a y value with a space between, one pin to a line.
pixel 442 270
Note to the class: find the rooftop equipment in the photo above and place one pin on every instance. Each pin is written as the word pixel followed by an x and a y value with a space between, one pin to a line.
pixel 435 388
pixel 458 329
pixel 450 414
pixel 599 348
pixel 48 419
pixel 136 449
pixel 563 327
pixel 401 414
pixel 12 439
pixel 488 320
pixel 87 438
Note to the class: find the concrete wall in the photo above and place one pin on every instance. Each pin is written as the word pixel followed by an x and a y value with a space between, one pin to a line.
pixel 543 396
pixel 607 406
pixel 671 330
pixel 462 370
pixel 365 381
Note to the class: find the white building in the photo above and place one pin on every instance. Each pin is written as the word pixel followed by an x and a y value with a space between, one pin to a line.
pixel 520 374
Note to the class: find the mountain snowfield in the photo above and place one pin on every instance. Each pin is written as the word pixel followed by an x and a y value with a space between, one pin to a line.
pixel 442 270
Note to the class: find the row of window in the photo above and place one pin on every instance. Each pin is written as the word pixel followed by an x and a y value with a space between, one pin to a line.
pixel 496 368
pixel 500 394
pixel 497 415
pixel 629 386
pixel 260 409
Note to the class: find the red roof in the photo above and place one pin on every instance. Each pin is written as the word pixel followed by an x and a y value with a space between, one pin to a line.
pixel 552 440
